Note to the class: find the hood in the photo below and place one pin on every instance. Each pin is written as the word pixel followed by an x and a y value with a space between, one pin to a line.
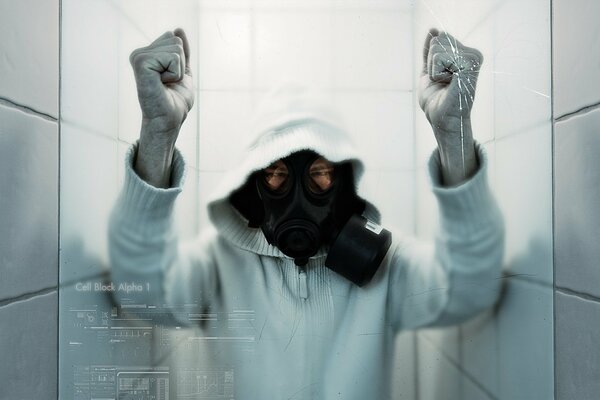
pixel 289 119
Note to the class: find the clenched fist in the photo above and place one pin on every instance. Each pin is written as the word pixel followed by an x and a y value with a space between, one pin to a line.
pixel 446 95
pixel 166 95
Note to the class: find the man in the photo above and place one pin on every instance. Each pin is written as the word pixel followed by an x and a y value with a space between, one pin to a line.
pixel 295 243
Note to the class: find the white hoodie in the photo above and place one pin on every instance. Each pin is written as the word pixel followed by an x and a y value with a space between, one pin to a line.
pixel 312 334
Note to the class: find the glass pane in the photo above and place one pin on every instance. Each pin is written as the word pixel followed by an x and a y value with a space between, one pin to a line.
pixel 163 297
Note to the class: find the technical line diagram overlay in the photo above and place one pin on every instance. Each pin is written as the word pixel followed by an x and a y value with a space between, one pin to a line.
pixel 142 352
pixel 141 383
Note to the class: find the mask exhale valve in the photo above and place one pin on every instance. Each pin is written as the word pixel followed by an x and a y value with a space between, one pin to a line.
pixel 358 250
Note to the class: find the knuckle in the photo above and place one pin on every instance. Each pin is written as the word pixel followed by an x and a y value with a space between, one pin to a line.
pixel 479 56
pixel 134 59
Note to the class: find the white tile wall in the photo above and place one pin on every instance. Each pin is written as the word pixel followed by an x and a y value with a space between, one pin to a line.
pixel 292 4
pixel 576 58
pixel 88 190
pixel 154 17
pixel 224 50
pixel 292 45
pixel 525 342
pixel 29 62
pixel 380 125
pixel 28 203
pixel 512 99
pixel 481 37
pixel 576 202
pixel 438 378
pixel 372 50
pixel 404 374
pixel 227 5
pixel 524 191
pixel 472 391
pixel 458 17
pixel 404 5
pixel 223 120
pixel 446 340
pixel 89 69
pixel 392 192
pixel 207 183
pixel 522 66
pixel 479 350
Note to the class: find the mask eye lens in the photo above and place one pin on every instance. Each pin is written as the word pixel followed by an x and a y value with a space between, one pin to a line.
pixel 321 174
pixel 276 177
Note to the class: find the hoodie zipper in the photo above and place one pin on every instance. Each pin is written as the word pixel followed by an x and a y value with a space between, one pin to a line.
pixel 302 283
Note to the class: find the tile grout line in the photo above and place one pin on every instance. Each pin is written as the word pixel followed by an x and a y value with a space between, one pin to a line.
pixel 492 11
pixel 553 196
pixel 43 291
pixel 528 278
pixel 27 110
pixel 129 19
pixel 415 203
pixel 58 203
pixel 580 295
pixel 415 101
pixel 416 365
pixel 88 129
pixel 332 88
pixel 27 296
pixel 97 275
pixel 582 111
pixel 460 369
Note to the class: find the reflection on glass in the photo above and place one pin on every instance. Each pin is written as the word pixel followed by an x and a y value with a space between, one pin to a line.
pixel 229 291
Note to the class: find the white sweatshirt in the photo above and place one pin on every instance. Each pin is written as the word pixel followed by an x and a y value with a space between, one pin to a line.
pixel 314 335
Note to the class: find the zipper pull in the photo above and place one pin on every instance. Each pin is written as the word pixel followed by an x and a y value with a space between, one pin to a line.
pixel 303 285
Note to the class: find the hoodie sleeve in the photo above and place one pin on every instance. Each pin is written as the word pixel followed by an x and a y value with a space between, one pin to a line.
pixel 457 275
pixel 144 248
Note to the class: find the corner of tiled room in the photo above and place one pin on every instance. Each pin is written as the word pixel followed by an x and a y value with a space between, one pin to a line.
pixel 508 353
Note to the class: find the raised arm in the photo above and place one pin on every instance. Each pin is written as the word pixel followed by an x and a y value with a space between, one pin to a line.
pixel 457 275
pixel 446 95
pixel 143 245
pixel 166 95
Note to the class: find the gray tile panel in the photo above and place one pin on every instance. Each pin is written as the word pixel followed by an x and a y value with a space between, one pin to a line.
pixel 28 348
pixel 576 59
pixel 28 203
pixel 576 203
pixel 29 61
pixel 525 342
pixel 577 355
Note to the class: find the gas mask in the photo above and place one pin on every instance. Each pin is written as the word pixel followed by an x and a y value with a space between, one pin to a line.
pixel 304 202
